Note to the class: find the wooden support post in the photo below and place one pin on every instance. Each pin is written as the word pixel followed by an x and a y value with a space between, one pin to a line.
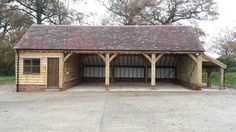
pixel 67 56
pixel 107 71
pixel 153 72
pixel 222 87
pixel 193 57
pixel 198 61
pixel 199 72
pixel 107 59
pixel 153 59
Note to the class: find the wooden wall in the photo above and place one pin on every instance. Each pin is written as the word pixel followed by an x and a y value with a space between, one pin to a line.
pixel 186 70
pixel 41 78
pixel 72 68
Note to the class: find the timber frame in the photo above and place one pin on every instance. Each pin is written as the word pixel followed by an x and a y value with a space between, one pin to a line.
pixel 107 59
pixel 199 60
pixel 210 64
pixel 153 59
pixel 113 53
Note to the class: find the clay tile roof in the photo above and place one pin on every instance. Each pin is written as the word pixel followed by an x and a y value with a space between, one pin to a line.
pixel 111 38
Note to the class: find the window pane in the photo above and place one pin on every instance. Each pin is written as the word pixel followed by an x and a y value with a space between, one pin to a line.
pixel 26 69
pixel 36 61
pixel 27 62
pixel 36 69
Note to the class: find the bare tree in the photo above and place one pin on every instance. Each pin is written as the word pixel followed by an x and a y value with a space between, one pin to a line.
pixel 224 44
pixel 43 10
pixel 171 11
pixel 65 15
pixel 5 12
pixel 129 12
pixel 12 22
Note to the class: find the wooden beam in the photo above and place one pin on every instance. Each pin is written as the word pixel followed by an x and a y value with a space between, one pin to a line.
pixel 107 71
pixel 214 61
pixel 112 57
pixel 199 71
pixel 153 59
pixel 103 58
pixel 107 59
pixel 67 56
pixel 193 57
pixel 126 52
pixel 158 57
pixel 153 67
pixel 148 57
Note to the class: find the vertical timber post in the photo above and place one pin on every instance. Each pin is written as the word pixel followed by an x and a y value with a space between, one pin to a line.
pixel 107 59
pixel 222 79
pixel 153 72
pixel 146 71
pixel 107 71
pixel 199 72
pixel 153 59
pixel 17 70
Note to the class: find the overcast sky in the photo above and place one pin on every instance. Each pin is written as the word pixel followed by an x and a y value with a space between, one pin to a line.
pixel 227 17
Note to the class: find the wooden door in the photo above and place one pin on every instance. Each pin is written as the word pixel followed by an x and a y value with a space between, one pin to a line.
pixel 53 73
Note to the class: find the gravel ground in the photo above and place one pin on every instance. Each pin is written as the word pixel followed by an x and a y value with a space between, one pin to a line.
pixel 114 111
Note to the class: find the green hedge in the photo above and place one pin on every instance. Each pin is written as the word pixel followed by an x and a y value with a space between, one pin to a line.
pixel 230 78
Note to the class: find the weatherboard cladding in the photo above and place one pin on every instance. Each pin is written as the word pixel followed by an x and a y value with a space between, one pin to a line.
pixel 111 38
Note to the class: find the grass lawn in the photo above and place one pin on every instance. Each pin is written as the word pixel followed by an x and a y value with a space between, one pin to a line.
pixel 7 79
pixel 230 78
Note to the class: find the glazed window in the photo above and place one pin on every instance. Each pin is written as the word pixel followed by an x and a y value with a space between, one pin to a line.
pixel 31 66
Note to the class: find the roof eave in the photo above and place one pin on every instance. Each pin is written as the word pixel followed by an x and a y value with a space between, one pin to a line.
pixel 165 51
pixel 222 65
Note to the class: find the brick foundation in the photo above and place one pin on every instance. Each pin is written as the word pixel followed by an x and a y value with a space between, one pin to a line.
pixel 31 88
pixel 107 87
pixel 70 84
pixel 222 87
pixel 188 85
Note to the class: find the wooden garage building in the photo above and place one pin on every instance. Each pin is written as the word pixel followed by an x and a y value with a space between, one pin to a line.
pixel 60 57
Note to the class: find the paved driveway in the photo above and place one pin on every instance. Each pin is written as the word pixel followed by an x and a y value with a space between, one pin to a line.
pixel 118 111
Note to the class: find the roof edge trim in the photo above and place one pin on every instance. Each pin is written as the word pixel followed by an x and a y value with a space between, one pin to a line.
pixel 222 65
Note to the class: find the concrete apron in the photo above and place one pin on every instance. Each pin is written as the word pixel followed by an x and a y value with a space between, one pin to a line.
pixel 124 86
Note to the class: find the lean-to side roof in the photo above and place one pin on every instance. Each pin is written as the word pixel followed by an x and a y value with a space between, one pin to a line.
pixel 209 61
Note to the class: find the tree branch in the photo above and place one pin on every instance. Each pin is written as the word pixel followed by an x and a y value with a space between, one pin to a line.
pixel 25 5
